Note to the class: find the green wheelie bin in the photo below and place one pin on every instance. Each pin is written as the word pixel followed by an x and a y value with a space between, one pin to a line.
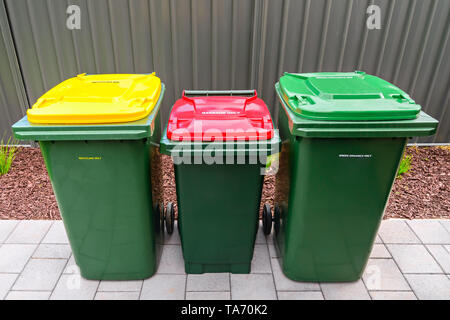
pixel 343 136
pixel 98 136
pixel 220 142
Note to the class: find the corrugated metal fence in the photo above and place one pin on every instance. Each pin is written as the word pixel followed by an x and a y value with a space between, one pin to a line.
pixel 223 44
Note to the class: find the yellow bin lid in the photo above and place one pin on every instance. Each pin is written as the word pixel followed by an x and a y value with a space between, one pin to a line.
pixel 100 98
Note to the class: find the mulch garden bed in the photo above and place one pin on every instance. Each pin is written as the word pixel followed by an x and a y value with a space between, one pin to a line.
pixel 422 192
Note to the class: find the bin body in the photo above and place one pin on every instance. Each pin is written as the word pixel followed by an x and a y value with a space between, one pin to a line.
pixel 218 203
pixel 218 215
pixel 106 179
pixel 332 187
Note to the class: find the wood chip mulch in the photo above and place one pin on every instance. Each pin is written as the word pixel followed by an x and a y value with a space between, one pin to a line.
pixel 26 191
pixel 423 192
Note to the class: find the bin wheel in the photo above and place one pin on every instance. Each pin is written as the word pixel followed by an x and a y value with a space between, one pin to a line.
pixel 276 218
pixel 267 219
pixel 159 217
pixel 170 217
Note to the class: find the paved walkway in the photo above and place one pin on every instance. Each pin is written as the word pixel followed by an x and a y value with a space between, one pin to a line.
pixel 410 260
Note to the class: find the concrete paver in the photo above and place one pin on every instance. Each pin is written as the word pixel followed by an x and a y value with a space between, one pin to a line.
pixel 430 286
pixel 345 291
pixel 414 258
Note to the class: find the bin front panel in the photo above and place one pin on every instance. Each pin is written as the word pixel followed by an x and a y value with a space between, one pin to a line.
pixel 338 191
pixel 218 215
pixel 103 189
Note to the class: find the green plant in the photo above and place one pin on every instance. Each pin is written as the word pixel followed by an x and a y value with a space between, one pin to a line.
pixel 7 154
pixel 405 165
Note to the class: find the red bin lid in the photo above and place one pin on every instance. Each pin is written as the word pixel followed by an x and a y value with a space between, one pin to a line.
pixel 219 116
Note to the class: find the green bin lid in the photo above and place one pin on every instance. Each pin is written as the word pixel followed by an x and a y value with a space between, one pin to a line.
pixel 347 96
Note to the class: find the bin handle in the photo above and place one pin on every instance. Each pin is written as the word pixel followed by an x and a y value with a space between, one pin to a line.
pixel 141 100
pixel 402 98
pixel 255 95
pixel 184 97
pixel 219 92
pixel 207 93
pixel 301 100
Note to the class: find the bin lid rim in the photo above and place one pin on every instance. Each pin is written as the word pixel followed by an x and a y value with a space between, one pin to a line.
pixel 422 125
pixel 345 96
pixel 219 115
pixel 98 98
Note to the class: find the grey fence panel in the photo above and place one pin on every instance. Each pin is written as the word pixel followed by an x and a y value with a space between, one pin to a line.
pixel 219 44
pixel 13 101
